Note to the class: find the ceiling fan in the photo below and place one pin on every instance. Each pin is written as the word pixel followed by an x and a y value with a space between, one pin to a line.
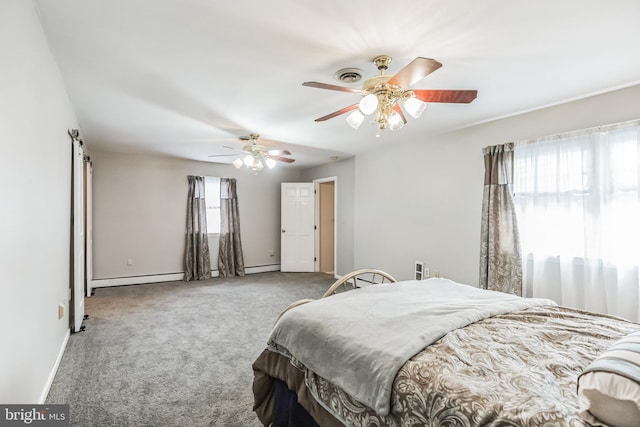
pixel 255 156
pixel 383 94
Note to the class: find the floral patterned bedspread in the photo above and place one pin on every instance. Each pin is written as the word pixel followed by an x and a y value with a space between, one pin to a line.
pixel 516 369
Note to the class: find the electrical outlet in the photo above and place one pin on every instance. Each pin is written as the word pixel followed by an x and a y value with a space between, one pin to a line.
pixel 427 273
pixel 272 253
pixel 129 262
pixel 436 273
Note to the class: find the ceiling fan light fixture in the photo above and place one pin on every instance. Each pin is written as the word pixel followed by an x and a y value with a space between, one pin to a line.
pixel 256 156
pixel 414 106
pixel 257 165
pixel 355 119
pixel 270 162
pixel 368 104
pixel 395 121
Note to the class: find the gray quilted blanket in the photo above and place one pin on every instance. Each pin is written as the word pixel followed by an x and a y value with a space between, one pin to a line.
pixel 359 340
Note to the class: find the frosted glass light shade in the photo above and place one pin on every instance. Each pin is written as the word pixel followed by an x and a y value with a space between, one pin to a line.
pixel 248 160
pixel 355 119
pixel 368 104
pixel 395 121
pixel 414 107
pixel 270 163
pixel 238 163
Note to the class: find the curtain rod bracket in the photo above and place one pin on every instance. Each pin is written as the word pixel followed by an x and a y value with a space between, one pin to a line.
pixel 75 135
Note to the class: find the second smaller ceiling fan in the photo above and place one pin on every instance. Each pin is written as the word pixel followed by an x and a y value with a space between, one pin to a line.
pixel 255 156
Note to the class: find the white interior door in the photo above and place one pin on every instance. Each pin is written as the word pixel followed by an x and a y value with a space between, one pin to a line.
pixel 78 237
pixel 297 227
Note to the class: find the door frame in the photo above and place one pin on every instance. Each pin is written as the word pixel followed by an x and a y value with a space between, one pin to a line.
pixel 88 227
pixel 78 235
pixel 316 185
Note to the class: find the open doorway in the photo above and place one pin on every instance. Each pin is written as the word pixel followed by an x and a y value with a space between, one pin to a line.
pixel 326 208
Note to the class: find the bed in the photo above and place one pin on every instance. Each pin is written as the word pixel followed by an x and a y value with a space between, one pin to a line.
pixel 439 353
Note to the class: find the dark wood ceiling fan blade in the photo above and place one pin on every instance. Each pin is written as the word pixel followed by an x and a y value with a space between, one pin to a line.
pixel 398 110
pixel 282 159
pixel 450 96
pixel 332 87
pixel 278 153
pixel 415 71
pixel 337 113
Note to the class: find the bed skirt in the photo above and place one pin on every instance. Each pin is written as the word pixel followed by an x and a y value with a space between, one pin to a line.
pixel 270 367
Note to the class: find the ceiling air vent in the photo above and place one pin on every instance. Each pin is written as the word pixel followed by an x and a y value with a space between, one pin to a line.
pixel 348 75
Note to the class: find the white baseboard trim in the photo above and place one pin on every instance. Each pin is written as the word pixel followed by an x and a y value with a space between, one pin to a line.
pixel 135 280
pixel 172 277
pixel 52 374
pixel 262 269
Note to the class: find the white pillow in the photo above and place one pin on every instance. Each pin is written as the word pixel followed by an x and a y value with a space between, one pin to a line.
pixel 609 388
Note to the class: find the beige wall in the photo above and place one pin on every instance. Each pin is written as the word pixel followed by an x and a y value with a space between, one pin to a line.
pixel 35 215
pixel 421 201
pixel 139 210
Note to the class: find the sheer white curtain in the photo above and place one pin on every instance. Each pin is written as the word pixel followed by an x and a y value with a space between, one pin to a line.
pixel 578 210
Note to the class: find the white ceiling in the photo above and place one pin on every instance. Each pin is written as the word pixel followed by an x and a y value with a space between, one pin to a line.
pixel 186 77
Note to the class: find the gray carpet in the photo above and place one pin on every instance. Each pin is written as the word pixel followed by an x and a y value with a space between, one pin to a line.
pixel 176 353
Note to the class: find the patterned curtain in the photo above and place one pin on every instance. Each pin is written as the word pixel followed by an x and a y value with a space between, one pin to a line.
pixel 500 256
pixel 230 259
pixel 197 264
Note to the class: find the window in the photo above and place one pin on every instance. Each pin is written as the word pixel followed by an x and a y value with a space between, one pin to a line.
pixel 577 195
pixel 212 199
pixel 578 207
